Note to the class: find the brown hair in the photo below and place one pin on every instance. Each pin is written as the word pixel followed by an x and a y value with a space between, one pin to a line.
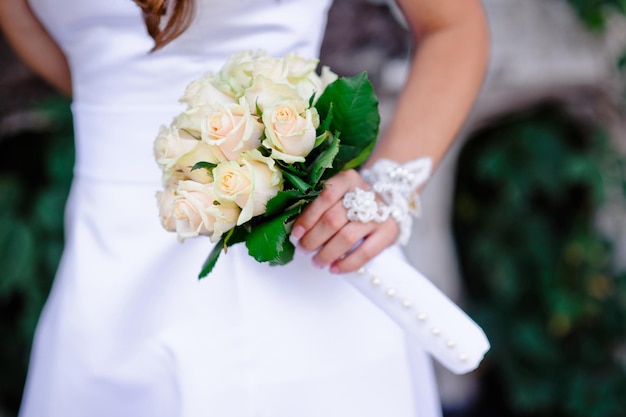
pixel 178 20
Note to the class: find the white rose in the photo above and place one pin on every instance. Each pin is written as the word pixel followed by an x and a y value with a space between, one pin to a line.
pixel 190 121
pixel 165 202
pixel 265 93
pixel 205 90
pixel 300 73
pixel 236 73
pixel 315 84
pixel 171 177
pixel 200 153
pixel 299 67
pixel 170 145
pixel 274 69
pixel 250 183
pixel 197 211
pixel 233 129
pixel 289 135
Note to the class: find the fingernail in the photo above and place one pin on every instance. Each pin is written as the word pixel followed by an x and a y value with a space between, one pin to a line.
pixel 297 232
pixel 318 264
pixel 334 269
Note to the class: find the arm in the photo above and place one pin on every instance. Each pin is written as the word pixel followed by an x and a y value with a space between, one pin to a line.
pixel 446 73
pixel 33 44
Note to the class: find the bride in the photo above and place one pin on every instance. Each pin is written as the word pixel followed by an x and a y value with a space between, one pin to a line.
pixel 128 330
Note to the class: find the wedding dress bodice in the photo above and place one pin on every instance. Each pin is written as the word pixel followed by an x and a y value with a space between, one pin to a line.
pixel 109 52
pixel 123 92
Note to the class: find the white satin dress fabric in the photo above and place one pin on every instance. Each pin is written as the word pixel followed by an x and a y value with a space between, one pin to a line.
pixel 128 330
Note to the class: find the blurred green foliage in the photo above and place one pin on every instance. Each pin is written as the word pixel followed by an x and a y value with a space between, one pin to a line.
pixel 540 276
pixel 594 13
pixel 36 159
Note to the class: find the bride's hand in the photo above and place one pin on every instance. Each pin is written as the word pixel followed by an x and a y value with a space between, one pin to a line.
pixel 324 227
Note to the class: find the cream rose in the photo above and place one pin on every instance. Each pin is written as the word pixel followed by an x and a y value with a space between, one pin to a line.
pixel 233 129
pixel 170 145
pixel 190 120
pixel 200 153
pixel 205 90
pixel 165 203
pixel 250 183
pixel 313 84
pixel 301 74
pixel 170 178
pixel 197 211
pixel 236 73
pixel 265 93
pixel 289 135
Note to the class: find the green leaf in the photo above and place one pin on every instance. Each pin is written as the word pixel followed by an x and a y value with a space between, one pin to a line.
pixel 297 182
pixel 268 242
pixel 232 237
pixel 324 161
pixel 211 260
pixel 352 106
pixel 361 158
pixel 321 138
pixel 286 255
pixel 295 168
pixel 203 164
pixel 327 120
pixel 281 200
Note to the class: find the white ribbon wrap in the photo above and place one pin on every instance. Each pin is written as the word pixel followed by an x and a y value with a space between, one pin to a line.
pixel 426 314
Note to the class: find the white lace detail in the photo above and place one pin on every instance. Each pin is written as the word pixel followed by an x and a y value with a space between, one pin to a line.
pixel 363 207
pixel 397 185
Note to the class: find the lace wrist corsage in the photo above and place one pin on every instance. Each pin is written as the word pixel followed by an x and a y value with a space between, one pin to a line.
pixel 397 185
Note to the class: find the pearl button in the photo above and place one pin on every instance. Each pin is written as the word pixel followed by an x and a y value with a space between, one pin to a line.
pixel 361 271
pixel 422 316
pixel 451 343
pixel 436 331
pixel 391 292
pixel 407 304
pixel 463 357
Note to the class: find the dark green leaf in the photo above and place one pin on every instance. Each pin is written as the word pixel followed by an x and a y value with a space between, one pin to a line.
pixel 268 241
pixel 286 255
pixel 211 260
pixel 361 158
pixel 203 164
pixel 321 138
pixel 232 237
pixel 297 182
pixel 324 160
pixel 354 116
pixel 282 200
pixel 327 119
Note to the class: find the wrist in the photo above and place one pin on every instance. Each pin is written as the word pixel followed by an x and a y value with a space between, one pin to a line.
pixel 398 185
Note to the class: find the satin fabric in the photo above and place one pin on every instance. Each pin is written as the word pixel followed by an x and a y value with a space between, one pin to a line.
pixel 128 329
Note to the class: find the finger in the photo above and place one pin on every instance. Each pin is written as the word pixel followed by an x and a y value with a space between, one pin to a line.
pixel 372 245
pixel 332 221
pixel 342 242
pixel 333 192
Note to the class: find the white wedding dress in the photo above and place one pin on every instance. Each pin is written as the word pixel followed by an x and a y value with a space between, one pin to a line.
pixel 128 330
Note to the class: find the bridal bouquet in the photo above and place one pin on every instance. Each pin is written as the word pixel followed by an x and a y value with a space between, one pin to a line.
pixel 255 145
